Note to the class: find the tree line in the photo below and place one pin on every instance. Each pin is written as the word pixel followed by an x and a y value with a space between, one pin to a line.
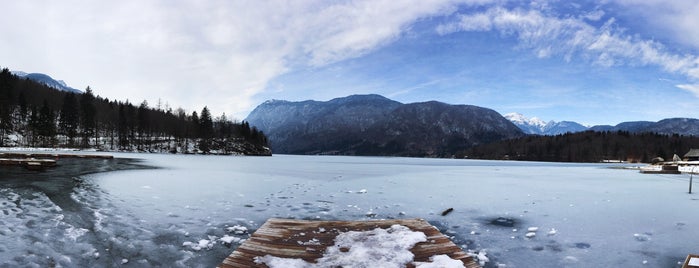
pixel 588 146
pixel 35 115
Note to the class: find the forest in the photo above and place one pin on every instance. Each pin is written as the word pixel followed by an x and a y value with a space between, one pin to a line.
pixel 588 146
pixel 35 115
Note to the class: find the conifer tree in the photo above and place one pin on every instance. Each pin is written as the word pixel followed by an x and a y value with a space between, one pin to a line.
pixel 69 117
pixel 88 114
pixel 206 130
pixel 46 125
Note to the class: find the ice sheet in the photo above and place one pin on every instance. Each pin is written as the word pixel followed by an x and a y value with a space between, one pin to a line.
pixel 587 215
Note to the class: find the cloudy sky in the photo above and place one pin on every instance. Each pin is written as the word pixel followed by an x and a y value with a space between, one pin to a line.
pixel 595 62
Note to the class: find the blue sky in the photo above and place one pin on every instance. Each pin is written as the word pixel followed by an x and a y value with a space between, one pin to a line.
pixel 594 62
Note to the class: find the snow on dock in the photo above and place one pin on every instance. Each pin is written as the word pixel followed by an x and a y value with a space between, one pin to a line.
pixel 691 261
pixel 384 243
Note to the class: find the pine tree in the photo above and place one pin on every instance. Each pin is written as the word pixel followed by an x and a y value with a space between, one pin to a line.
pixel 123 128
pixel 34 125
pixel 88 115
pixel 206 130
pixel 46 125
pixel 5 104
pixel 143 124
pixel 69 117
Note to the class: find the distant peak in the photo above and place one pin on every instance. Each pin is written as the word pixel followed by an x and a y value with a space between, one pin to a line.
pixel 361 97
pixel 274 101
pixel 19 73
pixel 521 119
pixel 46 80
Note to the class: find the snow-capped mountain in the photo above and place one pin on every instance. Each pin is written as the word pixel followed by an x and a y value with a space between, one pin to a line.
pixel 47 80
pixel 527 125
pixel 562 127
pixel 539 127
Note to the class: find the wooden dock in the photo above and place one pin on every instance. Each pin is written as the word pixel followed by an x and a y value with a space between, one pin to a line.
pixel 29 163
pixel 40 161
pixel 692 261
pixel 53 156
pixel 282 238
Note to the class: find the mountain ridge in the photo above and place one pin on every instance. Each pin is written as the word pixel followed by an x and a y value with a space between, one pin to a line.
pixel 376 125
pixel 537 126
pixel 47 81
pixel 681 126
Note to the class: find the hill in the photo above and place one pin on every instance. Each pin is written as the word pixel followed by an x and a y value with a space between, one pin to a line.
pixel 375 125
pixel 47 81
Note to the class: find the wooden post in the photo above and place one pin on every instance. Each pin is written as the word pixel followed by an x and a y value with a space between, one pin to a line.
pixel 691 175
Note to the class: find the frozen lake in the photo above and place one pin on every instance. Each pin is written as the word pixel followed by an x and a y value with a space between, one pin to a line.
pixel 180 214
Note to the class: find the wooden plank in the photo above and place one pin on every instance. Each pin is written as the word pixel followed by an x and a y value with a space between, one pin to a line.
pixel 29 163
pixel 40 161
pixel 692 261
pixel 53 155
pixel 287 238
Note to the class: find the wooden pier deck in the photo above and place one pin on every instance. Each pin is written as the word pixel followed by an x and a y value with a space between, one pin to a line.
pixel 692 261
pixel 53 156
pixel 40 161
pixel 280 238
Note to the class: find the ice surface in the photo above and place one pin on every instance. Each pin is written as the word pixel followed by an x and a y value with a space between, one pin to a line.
pixel 588 214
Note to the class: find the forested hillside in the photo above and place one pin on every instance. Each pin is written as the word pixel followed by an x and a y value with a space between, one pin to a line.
pixel 588 146
pixel 34 115
pixel 375 125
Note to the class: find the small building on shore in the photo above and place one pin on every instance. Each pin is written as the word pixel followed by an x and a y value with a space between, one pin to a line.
pixel 692 155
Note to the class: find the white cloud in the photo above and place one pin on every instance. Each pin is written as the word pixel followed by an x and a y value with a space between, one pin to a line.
pixel 594 15
pixel 678 17
pixel 692 88
pixel 193 53
pixel 573 38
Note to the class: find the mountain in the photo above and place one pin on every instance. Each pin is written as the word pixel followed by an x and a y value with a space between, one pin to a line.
pixel 375 125
pixel 681 126
pixel 633 126
pixel 297 127
pixel 670 126
pixel 528 125
pixel 555 128
pixel 47 80
pixel 539 127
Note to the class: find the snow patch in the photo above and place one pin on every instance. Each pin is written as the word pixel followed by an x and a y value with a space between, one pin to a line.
pixel 481 256
pixel 375 248
pixel 312 242
pixel 207 244
pixel 238 229
pixel 440 261
pixel 226 239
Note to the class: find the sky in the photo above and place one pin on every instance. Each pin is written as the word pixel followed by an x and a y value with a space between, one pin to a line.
pixel 593 62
